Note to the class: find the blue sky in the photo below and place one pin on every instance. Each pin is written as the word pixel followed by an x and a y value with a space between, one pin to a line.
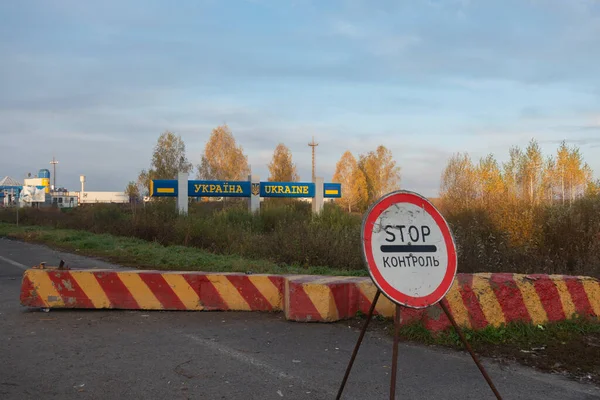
pixel 95 83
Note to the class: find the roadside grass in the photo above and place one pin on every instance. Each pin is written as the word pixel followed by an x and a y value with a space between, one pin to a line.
pixel 518 333
pixel 142 254
pixel 570 347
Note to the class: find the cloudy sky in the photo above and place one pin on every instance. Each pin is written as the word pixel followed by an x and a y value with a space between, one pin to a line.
pixel 95 83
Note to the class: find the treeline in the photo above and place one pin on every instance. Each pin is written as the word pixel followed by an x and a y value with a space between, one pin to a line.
pixel 363 181
pixel 527 176
pixel 531 209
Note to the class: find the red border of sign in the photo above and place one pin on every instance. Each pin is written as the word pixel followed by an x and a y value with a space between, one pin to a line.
pixel 367 233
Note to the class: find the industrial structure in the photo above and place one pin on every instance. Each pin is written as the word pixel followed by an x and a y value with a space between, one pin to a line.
pixel 36 191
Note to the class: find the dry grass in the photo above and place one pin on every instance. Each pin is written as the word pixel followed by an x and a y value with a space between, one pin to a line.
pixel 546 239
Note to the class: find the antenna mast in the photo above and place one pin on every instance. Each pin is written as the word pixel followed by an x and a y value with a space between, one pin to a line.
pixel 313 145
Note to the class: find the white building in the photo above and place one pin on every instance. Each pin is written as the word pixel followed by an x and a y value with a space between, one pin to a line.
pixel 102 197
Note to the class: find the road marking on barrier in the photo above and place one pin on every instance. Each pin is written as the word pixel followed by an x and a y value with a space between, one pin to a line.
pixel 457 306
pixel 384 306
pixel 140 291
pixel 162 290
pixel 487 299
pixel 565 295
pixel 322 299
pixel 92 289
pixel 234 299
pixel 268 289
pixel 592 288
pixel 184 291
pixel 45 285
pixel 14 263
pixel 578 295
pixel 532 301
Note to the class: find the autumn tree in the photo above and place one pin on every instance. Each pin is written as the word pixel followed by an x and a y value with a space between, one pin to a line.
pixel 566 176
pixel 143 180
pixel 222 158
pixel 458 188
pixel 133 192
pixel 593 188
pixel 281 168
pixel 488 181
pixel 548 179
pixel 510 173
pixel 353 182
pixel 381 172
pixel 561 168
pixel 575 174
pixel 531 170
pixel 168 159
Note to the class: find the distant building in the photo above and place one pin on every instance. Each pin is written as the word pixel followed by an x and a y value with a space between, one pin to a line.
pixel 9 191
pixel 102 197
pixel 42 179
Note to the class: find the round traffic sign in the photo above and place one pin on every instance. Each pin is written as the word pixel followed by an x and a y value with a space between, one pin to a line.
pixel 409 249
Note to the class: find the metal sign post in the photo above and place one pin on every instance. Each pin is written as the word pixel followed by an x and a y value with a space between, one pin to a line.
pixel 411 257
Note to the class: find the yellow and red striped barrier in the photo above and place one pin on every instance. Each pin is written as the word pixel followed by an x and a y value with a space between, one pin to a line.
pixel 151 290
pixel 475 300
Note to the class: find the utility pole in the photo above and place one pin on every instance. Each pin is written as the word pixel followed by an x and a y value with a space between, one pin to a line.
pixel 313 145
pixel 53 163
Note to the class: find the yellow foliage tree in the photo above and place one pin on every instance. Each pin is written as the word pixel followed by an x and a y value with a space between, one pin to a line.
pixel 489 183
pixel 381 172
pixel 531 172
pixel 576 174
pixel 353 181
pixel 281 168
pixel 222 158
pixel 566 177
pixel 511 169
pixel 458 188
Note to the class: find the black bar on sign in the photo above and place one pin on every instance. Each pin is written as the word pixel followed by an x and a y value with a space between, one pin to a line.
pixel 408 249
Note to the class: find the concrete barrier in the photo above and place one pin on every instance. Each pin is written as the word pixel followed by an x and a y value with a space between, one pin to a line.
pixel 151 290
pixel 475 300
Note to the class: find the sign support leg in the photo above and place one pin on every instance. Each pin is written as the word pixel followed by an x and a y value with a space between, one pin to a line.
pixel 360 338
pixel 470 350
pixel 395 353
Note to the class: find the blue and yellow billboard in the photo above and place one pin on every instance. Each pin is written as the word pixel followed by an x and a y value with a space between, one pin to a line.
pixel 332 190
pixel 169 188
pixel 163 188
pixel 287 189
pixel 218 189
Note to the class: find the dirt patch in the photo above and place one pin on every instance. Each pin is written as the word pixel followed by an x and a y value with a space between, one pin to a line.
pixel 577 356
pixel 568 349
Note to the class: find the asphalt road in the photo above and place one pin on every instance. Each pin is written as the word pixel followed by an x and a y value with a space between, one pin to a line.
pixel 66 354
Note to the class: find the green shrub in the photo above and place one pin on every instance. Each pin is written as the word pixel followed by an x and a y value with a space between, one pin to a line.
pixel 546 239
